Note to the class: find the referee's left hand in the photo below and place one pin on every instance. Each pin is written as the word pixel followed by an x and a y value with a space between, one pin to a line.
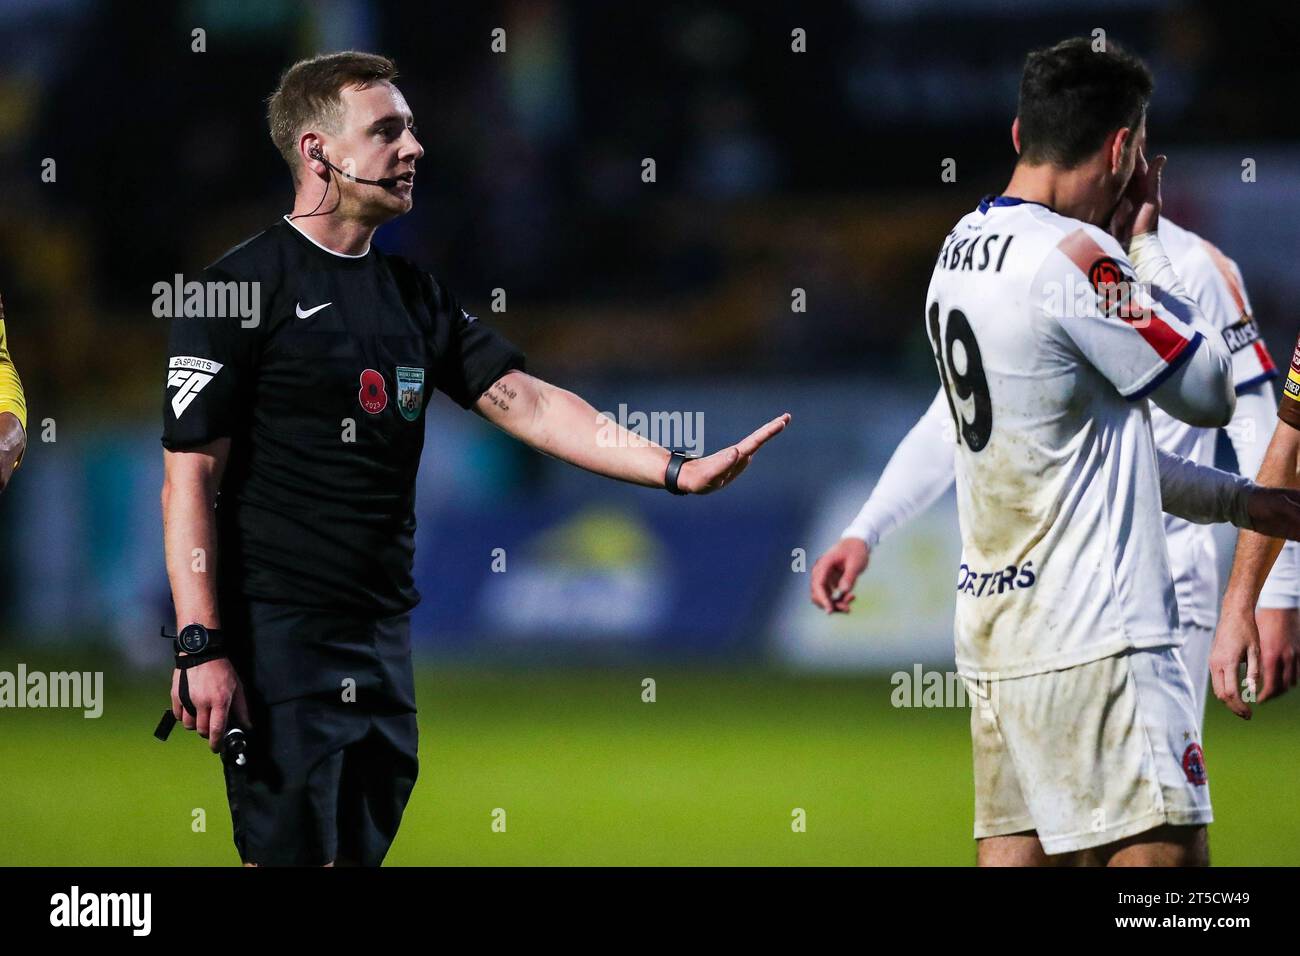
pixel 217 695
pixel 702 476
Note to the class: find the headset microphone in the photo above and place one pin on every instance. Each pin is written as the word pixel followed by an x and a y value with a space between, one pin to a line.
pixel 385 182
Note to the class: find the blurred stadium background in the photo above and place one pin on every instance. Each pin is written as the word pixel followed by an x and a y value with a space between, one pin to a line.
pixel 776 171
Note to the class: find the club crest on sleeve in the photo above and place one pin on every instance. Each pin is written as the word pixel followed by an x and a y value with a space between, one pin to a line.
pixel 373 396
pixel 410 392
pixel 1116 290
pixel 1105 272
pixel 1194 764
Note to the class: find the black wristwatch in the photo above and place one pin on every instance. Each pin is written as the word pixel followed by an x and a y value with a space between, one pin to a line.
pixel 675 461
pixel 195 644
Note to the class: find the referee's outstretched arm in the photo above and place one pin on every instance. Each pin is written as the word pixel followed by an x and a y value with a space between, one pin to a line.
pixel 563 425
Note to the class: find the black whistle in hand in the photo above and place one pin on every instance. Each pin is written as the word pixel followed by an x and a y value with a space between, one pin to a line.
pixel 234 744
pixel 234 748
pixel 164 728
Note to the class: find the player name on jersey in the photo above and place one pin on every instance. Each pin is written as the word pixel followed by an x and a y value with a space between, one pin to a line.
pixel 974 253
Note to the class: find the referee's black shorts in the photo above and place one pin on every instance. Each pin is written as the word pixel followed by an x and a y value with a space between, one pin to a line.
pixel 329 772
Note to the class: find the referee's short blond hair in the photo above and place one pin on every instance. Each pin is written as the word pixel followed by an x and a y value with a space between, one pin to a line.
pixel 308 96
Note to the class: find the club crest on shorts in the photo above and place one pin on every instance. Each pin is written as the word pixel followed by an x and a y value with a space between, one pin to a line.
pixel 1194 764
pixel 410 392
pixel 372 395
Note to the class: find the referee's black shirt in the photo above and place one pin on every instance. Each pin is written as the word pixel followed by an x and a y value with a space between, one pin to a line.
pixel 324 402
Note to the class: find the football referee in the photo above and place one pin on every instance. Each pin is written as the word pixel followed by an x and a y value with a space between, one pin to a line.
pixel 292 433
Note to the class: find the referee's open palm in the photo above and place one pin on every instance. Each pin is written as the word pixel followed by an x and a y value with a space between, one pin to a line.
pixel 703 476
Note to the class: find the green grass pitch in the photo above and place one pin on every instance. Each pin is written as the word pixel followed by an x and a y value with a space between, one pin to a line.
pixel 587 773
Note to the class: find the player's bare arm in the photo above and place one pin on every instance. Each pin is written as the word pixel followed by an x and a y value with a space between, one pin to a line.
pixel 563 425
pixel 1236 639
pixel 13 442
pixel 189 495
pixel 1276 615
pixel 13 436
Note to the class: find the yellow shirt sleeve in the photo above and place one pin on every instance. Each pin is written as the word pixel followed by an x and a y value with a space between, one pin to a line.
pixel 11 387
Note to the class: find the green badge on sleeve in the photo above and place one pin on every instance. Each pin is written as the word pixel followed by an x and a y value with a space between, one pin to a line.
pixel 410 392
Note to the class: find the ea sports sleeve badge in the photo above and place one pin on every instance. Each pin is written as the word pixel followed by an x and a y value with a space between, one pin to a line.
pixel 189 374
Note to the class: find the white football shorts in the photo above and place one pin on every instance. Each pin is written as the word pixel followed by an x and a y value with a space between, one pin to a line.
pixel 1090 754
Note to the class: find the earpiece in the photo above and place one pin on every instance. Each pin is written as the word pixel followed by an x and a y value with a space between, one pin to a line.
pixel 385 182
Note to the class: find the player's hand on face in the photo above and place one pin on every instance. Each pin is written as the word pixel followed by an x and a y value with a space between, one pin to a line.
pixel 1138 210
pixel 1275 512
pixel 1279 649
pixel 702 476
pixel 1236 640
pixel 1146 199
pixel 216 693
pixel 835 573
pixel 1125 211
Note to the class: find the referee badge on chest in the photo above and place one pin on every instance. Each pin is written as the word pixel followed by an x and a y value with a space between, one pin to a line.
pixel 410 392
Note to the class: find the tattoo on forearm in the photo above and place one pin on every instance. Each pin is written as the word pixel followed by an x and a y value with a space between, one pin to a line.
pixel 501 395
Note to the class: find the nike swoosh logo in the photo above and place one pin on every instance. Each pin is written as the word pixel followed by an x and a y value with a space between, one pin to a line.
pixel 297 307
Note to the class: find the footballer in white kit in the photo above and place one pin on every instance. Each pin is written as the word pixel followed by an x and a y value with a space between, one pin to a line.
pixel 1064 566
pixel 1047 338
pixel 921 469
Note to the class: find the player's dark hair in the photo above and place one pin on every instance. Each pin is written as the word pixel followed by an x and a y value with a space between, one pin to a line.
pixel 1072 96
pixel 308 95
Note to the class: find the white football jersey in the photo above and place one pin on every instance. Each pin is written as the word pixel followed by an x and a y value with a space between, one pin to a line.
pixel 1214 281
pixel 1058 487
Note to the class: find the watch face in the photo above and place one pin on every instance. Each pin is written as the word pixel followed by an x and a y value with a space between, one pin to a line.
pixel 193 638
